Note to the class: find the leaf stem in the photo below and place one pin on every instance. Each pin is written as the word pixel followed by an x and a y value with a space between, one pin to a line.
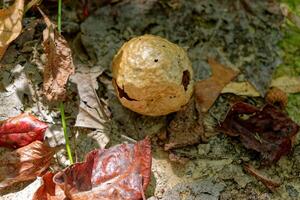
pixel 59 16
pixel 61 105
pixel 63 121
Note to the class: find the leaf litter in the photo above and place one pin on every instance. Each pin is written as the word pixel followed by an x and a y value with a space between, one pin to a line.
pixel 59 64
pixel 186 127
pixel 21 130
pixel 208 90
pixel 91 113
pixel 11 24
pixel 120 172
pixel 267 131
pixel 25 163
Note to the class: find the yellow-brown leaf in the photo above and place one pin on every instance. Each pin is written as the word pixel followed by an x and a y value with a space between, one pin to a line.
pixel 10 24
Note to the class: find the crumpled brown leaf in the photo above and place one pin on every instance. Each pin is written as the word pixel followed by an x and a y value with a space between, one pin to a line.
pixel 10 24
pixel 268 131
pixel 21 130
pixel 208 90
pixel 25 163
pixel 186 128
pixel 59 64
pixel 121 172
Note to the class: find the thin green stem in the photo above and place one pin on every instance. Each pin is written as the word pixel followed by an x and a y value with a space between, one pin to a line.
pixel 61 105
pixel 63 121
pixel 59 16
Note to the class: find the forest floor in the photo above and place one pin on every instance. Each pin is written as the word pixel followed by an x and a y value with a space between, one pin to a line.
pixel 257 39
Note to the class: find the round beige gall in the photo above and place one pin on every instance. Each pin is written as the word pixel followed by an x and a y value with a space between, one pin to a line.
pixel 152 76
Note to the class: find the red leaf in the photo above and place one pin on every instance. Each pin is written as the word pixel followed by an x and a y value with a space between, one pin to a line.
pixel 121 173
pixel 268 131
pixel 21 130
pixel 25 163
pixel 48 190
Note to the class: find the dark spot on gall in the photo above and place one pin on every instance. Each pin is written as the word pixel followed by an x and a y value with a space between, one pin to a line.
pixel 185 79
pixel 122 93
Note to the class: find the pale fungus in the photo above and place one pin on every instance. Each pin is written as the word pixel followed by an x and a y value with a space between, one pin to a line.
pixel 152 76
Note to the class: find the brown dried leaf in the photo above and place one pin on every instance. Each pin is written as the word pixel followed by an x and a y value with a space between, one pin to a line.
pixel 267 131
pixel 25 163
pixel 269 183
pixel 208 90
pixel 10 24
pixel 121 172
pixel 59 64
pixel 186 128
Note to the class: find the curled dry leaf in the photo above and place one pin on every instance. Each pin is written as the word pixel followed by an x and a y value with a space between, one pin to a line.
pixel 269 183
pixel 92 113
pixel 208 90
pixel 121 172
pixel 10 24
pixel 267 131
pixel 288 84
pixel 25 163
pixel 59 64
pixel 241 88
pixel 21 130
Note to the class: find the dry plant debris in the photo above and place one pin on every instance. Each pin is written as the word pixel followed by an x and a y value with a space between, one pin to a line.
pixel 288 84
pixel 268 131
pixel 277 97
pixel 25 163
pixel 10 24
pixel 21 130
pixel 208 90
pixel 49 190
pixel 59 64
pixel 269 183
pixel 186 128
pixel 120 172
pixel 92 113
pixel 244 34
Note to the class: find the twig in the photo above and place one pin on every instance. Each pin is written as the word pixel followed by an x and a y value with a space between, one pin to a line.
pixel 31 4
pixel 269 183
pixel 101 106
